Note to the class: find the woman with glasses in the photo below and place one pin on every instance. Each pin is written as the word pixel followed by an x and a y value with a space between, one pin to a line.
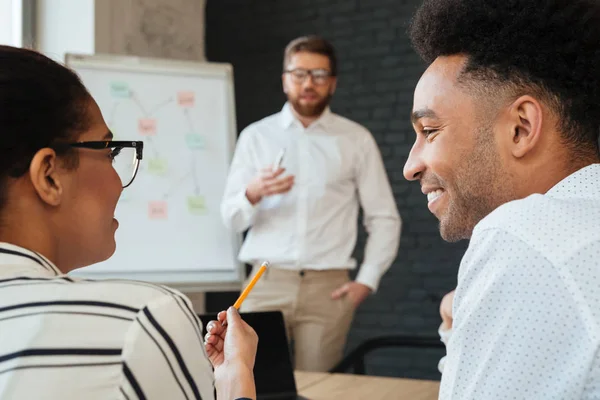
pixel 61 176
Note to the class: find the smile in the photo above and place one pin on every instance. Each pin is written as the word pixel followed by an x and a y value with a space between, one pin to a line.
pixel 433 195
pixel 434 199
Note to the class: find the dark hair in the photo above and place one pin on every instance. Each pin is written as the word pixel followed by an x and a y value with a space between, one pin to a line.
pixel 41 102
pixel 549 48
pixel 311 44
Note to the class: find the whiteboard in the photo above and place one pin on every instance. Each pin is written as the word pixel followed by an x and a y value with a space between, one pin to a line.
pixel 170 228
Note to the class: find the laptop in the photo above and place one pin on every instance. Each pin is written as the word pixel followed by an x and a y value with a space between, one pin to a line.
pixel 273 370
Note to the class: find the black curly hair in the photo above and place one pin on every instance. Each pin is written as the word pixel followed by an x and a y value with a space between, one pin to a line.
pixel 41 102
pixel 546 48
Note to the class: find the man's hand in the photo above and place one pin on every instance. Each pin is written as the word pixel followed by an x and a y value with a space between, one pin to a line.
pixel 446 310
pixel 268 183
pixel 357 292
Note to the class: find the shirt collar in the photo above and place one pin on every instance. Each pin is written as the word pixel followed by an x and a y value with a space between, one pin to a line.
pixel 15 260
pixel 584 183
pixel 288 118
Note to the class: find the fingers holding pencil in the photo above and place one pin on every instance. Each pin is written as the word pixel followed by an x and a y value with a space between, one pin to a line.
pixel 236 342
pixel 241 341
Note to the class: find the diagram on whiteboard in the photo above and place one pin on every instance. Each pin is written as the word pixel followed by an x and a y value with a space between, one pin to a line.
pixel 170 225
pixel 156 136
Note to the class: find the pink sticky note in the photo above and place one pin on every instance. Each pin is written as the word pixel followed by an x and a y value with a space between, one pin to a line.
pixel 157 210
pixel 147 126
pixel 186 98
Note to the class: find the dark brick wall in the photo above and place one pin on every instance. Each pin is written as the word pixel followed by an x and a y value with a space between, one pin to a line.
pixel 378 72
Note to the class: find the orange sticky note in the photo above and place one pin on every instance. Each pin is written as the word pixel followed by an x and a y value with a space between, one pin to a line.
pixel 147 126
pixel 186 98
pixel 157 210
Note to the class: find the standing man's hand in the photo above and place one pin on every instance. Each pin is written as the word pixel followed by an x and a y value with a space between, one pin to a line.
pixel 357 292
pixel 268 183
pixel 446 310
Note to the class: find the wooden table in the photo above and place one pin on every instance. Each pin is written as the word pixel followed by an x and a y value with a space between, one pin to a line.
pixel 323 386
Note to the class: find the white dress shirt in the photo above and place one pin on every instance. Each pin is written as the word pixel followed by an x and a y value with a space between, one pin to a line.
pixel 337 167
pixel 527 304
pixel 67 338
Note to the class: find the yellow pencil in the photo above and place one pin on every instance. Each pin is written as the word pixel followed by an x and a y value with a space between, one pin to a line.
pixel 248 288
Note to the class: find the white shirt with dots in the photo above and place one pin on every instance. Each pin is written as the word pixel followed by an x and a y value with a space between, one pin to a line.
pixel 527 305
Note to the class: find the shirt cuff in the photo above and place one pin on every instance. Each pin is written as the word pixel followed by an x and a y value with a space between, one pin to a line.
pixel 441 364
pixel 444 334
pixel 369 275
pixel 246 207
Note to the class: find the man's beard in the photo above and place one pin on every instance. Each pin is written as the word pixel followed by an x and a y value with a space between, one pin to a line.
pixel 313 110
pixel 480 185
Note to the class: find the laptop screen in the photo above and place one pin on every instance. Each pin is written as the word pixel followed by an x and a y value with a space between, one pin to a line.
pixel 273 371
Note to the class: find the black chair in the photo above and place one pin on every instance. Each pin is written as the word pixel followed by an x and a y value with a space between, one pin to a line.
pixel 356 358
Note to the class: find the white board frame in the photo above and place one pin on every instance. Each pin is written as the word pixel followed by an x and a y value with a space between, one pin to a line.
pixel 188 281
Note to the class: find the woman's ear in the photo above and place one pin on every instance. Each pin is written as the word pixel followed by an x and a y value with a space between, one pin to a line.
pixel 43 172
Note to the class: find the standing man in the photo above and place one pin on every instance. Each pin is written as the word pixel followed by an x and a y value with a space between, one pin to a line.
pixel 302 215
pixel 507 117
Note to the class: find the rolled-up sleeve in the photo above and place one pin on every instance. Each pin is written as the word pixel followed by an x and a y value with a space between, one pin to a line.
pixel 381 218
pixel 236 211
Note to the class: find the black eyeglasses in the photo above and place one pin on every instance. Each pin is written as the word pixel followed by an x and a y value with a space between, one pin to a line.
pixel 125 155
pixel 319 76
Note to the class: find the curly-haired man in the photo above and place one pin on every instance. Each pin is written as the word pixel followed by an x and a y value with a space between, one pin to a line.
pixel 507 117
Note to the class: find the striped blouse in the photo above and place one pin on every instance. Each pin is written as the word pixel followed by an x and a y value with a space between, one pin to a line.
pixel 67 338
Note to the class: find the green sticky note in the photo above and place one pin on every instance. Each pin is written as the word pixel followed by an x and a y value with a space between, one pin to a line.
pixel 196 205
pixel 194 141
pixel 120 90
pixel 157 166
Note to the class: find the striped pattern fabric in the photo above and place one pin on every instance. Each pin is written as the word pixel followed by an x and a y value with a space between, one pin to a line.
pixel 67 338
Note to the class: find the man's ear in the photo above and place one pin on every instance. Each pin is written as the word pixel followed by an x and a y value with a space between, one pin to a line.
pixel 283 83
pixel 526 121
pixel 333 86
pixel 43 172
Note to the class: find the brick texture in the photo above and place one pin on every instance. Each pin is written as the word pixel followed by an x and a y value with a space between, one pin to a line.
pixel 378 71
